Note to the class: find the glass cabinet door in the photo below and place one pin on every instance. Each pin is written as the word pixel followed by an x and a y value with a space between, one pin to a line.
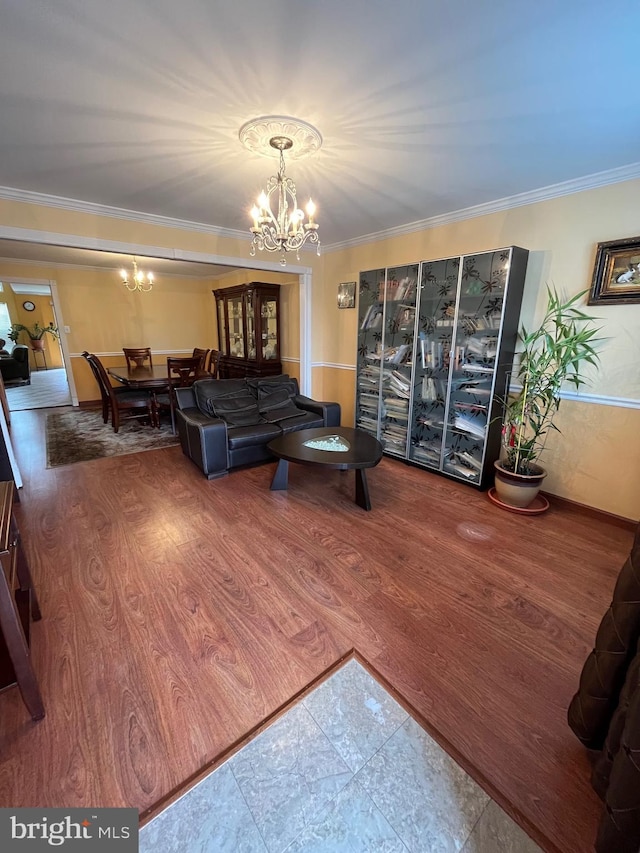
pixel 236 329
pixel 436 311
pixel 370 313
pixel 269 317
pixel 473 356
pixel 396 357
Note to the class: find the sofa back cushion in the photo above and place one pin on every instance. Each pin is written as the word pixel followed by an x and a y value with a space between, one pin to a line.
pixel 229 399
pixel 263 386
pixel 277 406
pixel 238 410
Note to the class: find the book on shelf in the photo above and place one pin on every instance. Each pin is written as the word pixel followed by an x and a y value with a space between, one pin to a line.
pixel 373 318
pixel 466 423
pixel 405 315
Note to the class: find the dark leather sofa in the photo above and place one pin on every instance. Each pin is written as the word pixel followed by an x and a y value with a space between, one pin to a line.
pixel 224 423
pixel 15 367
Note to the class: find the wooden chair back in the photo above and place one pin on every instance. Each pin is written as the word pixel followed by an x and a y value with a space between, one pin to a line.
pixel 104 395
pixel 138 357
pixel 203 354
pixel 183 372
pixel 214 362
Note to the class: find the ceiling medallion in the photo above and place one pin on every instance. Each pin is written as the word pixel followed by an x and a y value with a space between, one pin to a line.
pixel 285 230
pixel 257 134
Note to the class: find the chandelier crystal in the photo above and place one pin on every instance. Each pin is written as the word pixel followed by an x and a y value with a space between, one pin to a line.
pixel 141 281
pixel 286 230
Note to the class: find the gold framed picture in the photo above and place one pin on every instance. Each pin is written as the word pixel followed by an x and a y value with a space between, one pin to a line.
pixel 616 274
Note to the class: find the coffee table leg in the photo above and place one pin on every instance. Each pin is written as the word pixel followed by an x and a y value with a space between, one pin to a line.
pixel 362 489
pixel 281 476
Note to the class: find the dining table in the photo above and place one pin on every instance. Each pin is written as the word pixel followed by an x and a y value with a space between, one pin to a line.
pixel 140 377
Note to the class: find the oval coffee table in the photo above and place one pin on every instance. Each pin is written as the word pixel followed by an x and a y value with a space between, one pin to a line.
pixel 358 450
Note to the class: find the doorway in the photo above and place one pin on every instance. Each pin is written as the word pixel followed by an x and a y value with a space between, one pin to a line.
pixel 29 307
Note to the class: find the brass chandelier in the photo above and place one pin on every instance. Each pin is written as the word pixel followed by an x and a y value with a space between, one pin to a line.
pixel 141 281
pixel 284 229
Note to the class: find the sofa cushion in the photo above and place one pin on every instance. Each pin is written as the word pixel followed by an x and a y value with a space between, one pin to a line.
pixel 207 391
pixel 277 406
pixel 236 409
pixel 307 420
pixel 249 436
pixel 264 386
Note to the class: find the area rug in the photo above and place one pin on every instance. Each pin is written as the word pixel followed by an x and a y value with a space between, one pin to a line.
pixel 80 435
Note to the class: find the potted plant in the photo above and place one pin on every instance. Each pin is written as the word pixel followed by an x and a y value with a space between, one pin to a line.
pixel 551 356
pixel 36 333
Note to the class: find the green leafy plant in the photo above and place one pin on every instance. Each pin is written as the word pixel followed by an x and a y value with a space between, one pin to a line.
pixel 551 356
pixel 35 332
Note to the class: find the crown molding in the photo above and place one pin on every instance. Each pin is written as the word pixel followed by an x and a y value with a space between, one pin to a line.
pixel 589 182
pixel 599 179
pixel 13 194
pixel 58 265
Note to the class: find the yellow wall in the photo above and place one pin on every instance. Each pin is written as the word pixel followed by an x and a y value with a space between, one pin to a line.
pixel 595 459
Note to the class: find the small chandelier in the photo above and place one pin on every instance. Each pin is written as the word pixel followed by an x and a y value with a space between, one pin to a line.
pixel 286 230
pixel 139 280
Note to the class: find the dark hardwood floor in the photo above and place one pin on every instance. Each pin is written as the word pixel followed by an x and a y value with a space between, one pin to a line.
pixel 179 613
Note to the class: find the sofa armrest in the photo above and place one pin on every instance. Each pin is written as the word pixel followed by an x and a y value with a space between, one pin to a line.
pixel 204 441
pixel 330 412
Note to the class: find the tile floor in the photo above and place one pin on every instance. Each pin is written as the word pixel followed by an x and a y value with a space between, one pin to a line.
pixel 345 769
pixel 48 388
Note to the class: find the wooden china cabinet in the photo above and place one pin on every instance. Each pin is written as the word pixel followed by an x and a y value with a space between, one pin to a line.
pixel 249 330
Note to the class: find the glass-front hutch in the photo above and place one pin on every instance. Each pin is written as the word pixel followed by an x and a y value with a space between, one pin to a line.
pixel 249 330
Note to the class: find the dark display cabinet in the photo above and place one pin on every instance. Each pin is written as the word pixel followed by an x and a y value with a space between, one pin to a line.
pixel 453 345
pixel 249 330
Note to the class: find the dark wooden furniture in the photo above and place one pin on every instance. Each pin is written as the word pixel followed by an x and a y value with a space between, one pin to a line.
pixel 205 357
pixel 213 366
pixel 364 451
pixel 138 356
pixel 135 403
pixel 249 330
pixel 181 372
pixel 140 377
pixel 18 606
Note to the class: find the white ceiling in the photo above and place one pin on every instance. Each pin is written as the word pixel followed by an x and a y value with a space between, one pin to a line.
pixel 426 107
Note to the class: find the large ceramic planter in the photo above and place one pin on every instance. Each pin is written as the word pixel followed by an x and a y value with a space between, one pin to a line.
pixel 518 490
pixel 37 343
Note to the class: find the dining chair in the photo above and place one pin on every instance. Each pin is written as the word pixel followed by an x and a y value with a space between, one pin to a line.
pixel 203 354
pixel 182 372
pixel 137 403
pixel 214 363
pixel 106 404
pixel 138 357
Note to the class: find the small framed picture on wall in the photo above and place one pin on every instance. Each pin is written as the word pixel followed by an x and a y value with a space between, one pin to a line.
pixel 347 294
pixel 616 273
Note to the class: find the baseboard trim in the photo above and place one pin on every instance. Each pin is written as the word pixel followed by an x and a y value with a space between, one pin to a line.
pixel 593 512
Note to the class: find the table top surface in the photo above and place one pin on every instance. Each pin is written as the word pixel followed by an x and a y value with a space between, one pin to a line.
pixel 364 451
pixel 139 376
